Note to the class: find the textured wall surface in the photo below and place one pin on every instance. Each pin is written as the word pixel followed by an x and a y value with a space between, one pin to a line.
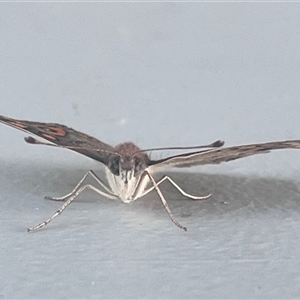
pixel 159 74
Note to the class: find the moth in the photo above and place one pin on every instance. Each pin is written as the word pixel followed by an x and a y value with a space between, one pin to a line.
pixel 129 169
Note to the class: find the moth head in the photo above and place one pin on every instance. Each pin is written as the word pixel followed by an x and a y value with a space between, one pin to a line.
pixel 127 162
pixel 126 166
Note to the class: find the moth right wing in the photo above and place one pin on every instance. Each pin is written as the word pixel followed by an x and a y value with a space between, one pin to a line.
pixel 216 156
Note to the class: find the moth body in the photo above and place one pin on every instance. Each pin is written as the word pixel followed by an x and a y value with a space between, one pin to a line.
pixel 125 170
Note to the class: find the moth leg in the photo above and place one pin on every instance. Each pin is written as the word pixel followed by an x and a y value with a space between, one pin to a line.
pixel 164 202
pixel 93 174
pixel 67 203
pixel 184 193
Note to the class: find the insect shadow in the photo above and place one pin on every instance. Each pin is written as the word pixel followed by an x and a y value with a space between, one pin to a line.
pixel 230 193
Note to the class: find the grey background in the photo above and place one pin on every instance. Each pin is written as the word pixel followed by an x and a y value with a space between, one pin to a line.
pixel 159 74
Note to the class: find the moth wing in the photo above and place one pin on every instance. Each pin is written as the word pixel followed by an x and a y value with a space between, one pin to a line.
pixel 216 156
pixel 64 136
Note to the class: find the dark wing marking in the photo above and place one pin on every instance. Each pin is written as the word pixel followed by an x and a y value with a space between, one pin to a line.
pixel 65 137
pixel 216 156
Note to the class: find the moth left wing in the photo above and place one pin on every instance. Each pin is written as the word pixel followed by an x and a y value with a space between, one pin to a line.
pixel 216 156
pixel 63 136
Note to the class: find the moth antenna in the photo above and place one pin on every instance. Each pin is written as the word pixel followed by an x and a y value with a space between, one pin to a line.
pixel 215 144
pixel 107 151
pixel 32 140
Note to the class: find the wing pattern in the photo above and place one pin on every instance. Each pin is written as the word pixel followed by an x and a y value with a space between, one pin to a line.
pixel 64 136
pixel 216 156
